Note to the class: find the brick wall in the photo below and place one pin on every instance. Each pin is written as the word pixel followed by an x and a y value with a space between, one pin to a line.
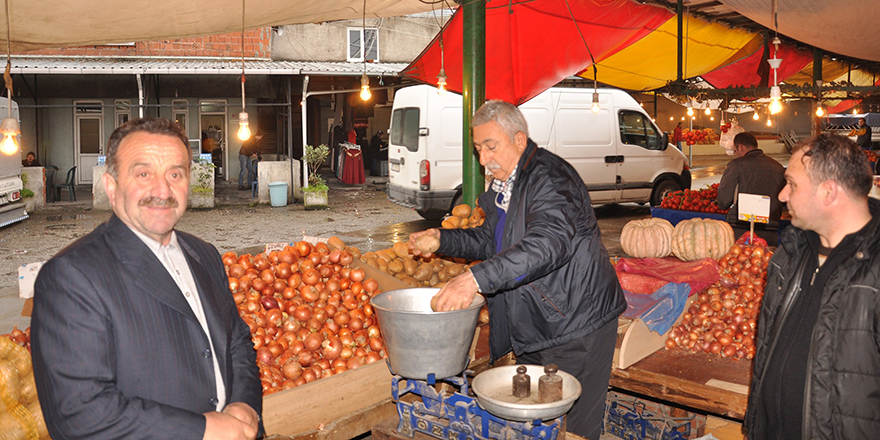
pixel 256 45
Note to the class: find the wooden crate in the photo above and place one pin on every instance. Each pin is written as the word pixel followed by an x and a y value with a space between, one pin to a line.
pixel 338 407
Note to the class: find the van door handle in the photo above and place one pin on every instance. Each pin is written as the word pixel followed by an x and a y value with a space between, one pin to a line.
pixel 613 159
pixel 397 161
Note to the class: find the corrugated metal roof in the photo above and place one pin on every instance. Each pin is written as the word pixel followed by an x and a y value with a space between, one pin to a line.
pixel 131 66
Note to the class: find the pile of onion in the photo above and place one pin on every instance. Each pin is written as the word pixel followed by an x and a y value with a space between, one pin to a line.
pixel 22 338
pixel 723 318
pixel 308 310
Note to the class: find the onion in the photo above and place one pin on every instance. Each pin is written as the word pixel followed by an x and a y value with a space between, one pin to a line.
pixel 292 370
pixel 357 275
pixel 264 355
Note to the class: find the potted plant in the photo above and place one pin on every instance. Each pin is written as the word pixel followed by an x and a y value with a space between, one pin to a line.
pixel 27 196
pixel 201 187
pixel 315 195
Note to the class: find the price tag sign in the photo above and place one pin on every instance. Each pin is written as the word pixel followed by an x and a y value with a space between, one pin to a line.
pixel 274 247
pixel 754 208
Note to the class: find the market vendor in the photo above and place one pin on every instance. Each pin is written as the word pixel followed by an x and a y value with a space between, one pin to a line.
pixel 552 292
pixel 134 332
pixel 752 172
pixel 817 363
pixel 863 135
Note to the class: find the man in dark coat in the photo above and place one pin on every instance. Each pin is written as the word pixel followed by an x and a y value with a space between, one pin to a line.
pixel 553 294
pixel 752 172
pixel 817 362
pixel 134 332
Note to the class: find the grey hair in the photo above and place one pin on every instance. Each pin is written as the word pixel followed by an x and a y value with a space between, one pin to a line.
pixel 504 114
pixel 837 158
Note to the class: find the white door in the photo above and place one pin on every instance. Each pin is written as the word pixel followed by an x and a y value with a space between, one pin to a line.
pixel 89 140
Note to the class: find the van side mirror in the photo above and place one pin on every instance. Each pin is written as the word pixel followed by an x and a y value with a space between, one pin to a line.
pixel 664 141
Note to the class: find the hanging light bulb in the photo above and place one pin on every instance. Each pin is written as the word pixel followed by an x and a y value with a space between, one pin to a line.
pixel 820 111
pixel 755 115
pixel 595 106
pixel 769 122
pixel 670 118
pixel 712 118
pixel 690 111
pixel 365 88
pixel 775 100
pixel 244 130
pixel 441 81
pixel 708 111
pixel 9 128
pixel 855 111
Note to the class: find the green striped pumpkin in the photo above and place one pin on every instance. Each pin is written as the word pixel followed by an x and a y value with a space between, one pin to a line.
pixel 647 238
pixel 700 238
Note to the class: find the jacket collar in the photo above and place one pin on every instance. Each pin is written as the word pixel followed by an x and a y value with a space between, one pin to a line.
pixel 794 239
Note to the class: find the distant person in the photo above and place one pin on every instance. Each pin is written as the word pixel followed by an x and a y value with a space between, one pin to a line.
pixel 863 135
pixel 676 136
pixel 378 152
pixel 817 361
pixel 752 172
pixel 248 155
pixel 30 160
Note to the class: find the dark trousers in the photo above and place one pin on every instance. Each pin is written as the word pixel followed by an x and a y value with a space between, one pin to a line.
pixel 589 360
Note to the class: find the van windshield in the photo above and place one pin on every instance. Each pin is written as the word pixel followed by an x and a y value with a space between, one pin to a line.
pixel 637 129
pixel 405 128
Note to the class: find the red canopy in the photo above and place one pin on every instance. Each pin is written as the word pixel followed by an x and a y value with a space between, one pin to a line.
pixel 531 45
pixel 754 70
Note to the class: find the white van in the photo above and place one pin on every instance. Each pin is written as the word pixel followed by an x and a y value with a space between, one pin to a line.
pixel 619 152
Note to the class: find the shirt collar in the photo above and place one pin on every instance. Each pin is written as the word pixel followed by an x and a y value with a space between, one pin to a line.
pixel 154 245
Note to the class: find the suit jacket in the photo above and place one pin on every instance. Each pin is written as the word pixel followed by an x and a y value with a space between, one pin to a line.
pixel 118 352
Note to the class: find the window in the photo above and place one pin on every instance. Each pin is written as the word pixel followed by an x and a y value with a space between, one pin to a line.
pixel 405 128
pixel 637 129
pixel 356 39
pixel 123 111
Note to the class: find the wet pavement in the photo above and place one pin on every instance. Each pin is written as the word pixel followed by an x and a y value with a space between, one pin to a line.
pixel 359 214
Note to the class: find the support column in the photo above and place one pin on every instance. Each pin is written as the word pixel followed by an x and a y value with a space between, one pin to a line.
pixel 474 89
pixel 817 83
pixel 678 11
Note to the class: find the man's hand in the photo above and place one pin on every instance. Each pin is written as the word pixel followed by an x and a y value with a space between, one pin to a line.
pixel 457 294
pixel 411 244
pixel 238 421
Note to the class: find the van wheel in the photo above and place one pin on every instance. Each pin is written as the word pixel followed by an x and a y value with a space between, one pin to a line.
pixel 431 215
pixel 663 188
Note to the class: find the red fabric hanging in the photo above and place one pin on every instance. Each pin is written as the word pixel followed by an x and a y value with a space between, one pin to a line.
pixel 747 72
pixel 531 45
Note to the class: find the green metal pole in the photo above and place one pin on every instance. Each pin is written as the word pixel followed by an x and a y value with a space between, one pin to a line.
pixel 474 88
pixel 678 11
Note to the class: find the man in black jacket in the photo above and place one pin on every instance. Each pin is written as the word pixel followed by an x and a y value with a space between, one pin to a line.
pixel 552 292
pixel 752 172
pixel 817 365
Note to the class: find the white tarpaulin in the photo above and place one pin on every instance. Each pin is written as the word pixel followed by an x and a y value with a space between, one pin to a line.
pixel 843 27
pixel 37 24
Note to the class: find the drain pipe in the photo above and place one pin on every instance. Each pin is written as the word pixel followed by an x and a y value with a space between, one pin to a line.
pixel 140 96
pixel 305 96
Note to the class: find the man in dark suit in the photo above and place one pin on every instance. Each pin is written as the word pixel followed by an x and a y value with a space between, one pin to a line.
pixel 134 332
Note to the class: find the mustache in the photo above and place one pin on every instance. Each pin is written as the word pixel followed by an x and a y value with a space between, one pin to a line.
pixel 491 166
pixel 158 202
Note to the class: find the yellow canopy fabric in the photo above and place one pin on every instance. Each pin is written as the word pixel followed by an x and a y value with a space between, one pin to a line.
pixel 652 61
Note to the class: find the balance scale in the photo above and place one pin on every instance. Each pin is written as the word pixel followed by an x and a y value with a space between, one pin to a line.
pixel 492 414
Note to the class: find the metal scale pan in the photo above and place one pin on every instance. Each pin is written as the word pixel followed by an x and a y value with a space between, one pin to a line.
pixel 494 390
pixel 421 341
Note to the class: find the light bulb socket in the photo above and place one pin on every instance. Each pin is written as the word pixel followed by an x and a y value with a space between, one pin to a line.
pixel 243 118
pixel 10 126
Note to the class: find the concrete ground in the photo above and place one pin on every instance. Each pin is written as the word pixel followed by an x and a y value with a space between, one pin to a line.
pixel 359 214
